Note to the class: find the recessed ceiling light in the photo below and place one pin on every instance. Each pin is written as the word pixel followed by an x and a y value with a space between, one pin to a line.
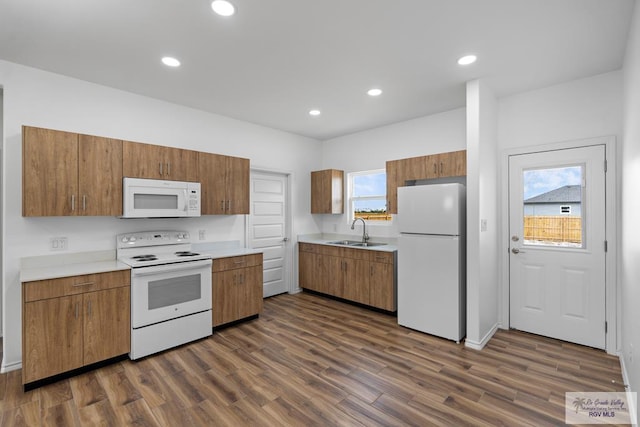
pixel 374 92
pixel 314 112
pixel 468 59
pixel 171 62
pixel 223 7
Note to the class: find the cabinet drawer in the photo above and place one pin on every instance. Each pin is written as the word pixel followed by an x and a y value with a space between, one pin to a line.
pixel 382 257
pixel 53 288
pixel 231 263
pixel 308 247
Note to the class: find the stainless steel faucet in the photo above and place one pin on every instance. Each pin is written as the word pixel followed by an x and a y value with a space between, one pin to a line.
pixel 365 236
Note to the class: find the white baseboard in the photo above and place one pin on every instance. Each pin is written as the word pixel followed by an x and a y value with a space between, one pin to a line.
pixel 633 410
pixel 480 345
pixel 8 367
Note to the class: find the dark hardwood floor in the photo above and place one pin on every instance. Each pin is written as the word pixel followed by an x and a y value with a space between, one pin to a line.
pixel 311 361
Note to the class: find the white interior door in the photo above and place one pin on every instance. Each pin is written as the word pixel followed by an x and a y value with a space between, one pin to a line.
pixel 557 244
pixel 268 226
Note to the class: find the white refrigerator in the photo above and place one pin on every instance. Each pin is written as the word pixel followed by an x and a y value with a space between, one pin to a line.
pixel 431 259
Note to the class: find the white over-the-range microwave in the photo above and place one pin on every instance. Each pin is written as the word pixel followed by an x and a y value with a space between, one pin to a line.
pixel 154 198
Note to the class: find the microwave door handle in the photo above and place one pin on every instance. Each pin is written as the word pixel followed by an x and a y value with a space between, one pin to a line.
pixel 186 200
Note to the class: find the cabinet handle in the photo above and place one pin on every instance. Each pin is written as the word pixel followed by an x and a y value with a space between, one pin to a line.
pixel 241 279
pixel 242 261
pixel 440 168
pixel 89 307
pixel 371 270
pixel 228 205
pixel 160 165
pixel 83 284
pixel 84 202
pixel 222 205
pixel 168 168
pixel 73 202
pixel 435 168
pixel 77 310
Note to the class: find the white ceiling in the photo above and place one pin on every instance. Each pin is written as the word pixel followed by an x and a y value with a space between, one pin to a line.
pixel 275 60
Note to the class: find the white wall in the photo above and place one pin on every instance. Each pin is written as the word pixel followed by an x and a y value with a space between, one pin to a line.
pixel 371 149
pixel 37 98
pixel 482 214
pixel 630 253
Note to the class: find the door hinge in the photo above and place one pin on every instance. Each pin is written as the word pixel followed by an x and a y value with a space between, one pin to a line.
pixel 606 327
pixel 606 246
pixel 605 166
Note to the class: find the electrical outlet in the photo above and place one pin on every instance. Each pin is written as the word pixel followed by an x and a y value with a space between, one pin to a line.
pixel 202 234
pixel 630 353
pixel 483 225
pixel 58 244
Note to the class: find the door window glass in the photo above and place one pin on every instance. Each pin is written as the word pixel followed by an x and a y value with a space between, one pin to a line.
pixel 553 207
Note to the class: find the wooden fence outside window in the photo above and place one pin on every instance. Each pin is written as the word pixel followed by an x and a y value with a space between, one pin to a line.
pixel 553 228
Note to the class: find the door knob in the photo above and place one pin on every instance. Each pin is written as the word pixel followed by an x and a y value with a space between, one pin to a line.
pixel 516 251
pixel 515 238
pixel 286 239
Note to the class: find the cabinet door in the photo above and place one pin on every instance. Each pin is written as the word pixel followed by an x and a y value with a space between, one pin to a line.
pixel 52 337
pixel 99 176
pixel 237 183
pixel 107 324
pixel 212 171
pixel 224 297
pixel 327 191
pixel 356 280
pixel 249 291
pixel 142 160
pixel 180 165
pixel 392 186
pixel 49 172
pixel 335 285
pixel 381 286
pixel 306 271
pixel 452 164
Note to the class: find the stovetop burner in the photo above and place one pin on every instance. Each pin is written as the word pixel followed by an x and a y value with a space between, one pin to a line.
pixel 145 257
pixel 186 253
pixel 151 248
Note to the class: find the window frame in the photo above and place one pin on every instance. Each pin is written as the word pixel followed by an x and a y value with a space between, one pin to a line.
pixel 351 199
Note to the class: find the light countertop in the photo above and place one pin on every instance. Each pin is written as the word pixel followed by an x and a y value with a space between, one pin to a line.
pixel 77 264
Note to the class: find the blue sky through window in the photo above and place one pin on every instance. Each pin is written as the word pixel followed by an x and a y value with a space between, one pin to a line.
pixel 374 184
pixel 539 181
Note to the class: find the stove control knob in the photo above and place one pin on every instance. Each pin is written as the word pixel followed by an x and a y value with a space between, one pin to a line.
pixel 132 239
pixel 185 236
pixel 124 239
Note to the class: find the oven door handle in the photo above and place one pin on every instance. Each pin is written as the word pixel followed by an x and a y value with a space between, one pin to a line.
pixel 168 268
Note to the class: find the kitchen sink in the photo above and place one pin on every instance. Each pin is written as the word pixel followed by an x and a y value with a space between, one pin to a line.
pixel 355 243
pixel 369 244
pixel 346 242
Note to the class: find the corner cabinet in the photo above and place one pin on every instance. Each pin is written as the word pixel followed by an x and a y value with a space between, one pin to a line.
pixel 224 184
pixel 442 165
pixel 70 174
pixel 236 288
pixel 359 275
pixel 72 322
pixel 327 189
pixel 158 162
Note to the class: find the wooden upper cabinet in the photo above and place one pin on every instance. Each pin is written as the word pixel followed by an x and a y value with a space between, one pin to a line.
pixel 65 173
pixel 224 184
pixel 442 165
pixel 327 188
pixel 49 172
pixel 453 163
pixel 99 176
pixel 158 162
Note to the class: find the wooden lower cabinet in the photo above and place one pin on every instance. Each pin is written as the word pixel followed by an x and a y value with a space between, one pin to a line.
pixel 359 275
pixel 72 322
pixel 236 288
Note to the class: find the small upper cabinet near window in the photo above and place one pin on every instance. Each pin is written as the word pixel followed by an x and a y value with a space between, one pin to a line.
pixel 327 190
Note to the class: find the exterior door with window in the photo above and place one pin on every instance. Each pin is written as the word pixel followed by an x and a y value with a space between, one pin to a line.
pixel 557 244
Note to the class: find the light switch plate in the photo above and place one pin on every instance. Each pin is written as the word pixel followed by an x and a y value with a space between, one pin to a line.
pixel 58 244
